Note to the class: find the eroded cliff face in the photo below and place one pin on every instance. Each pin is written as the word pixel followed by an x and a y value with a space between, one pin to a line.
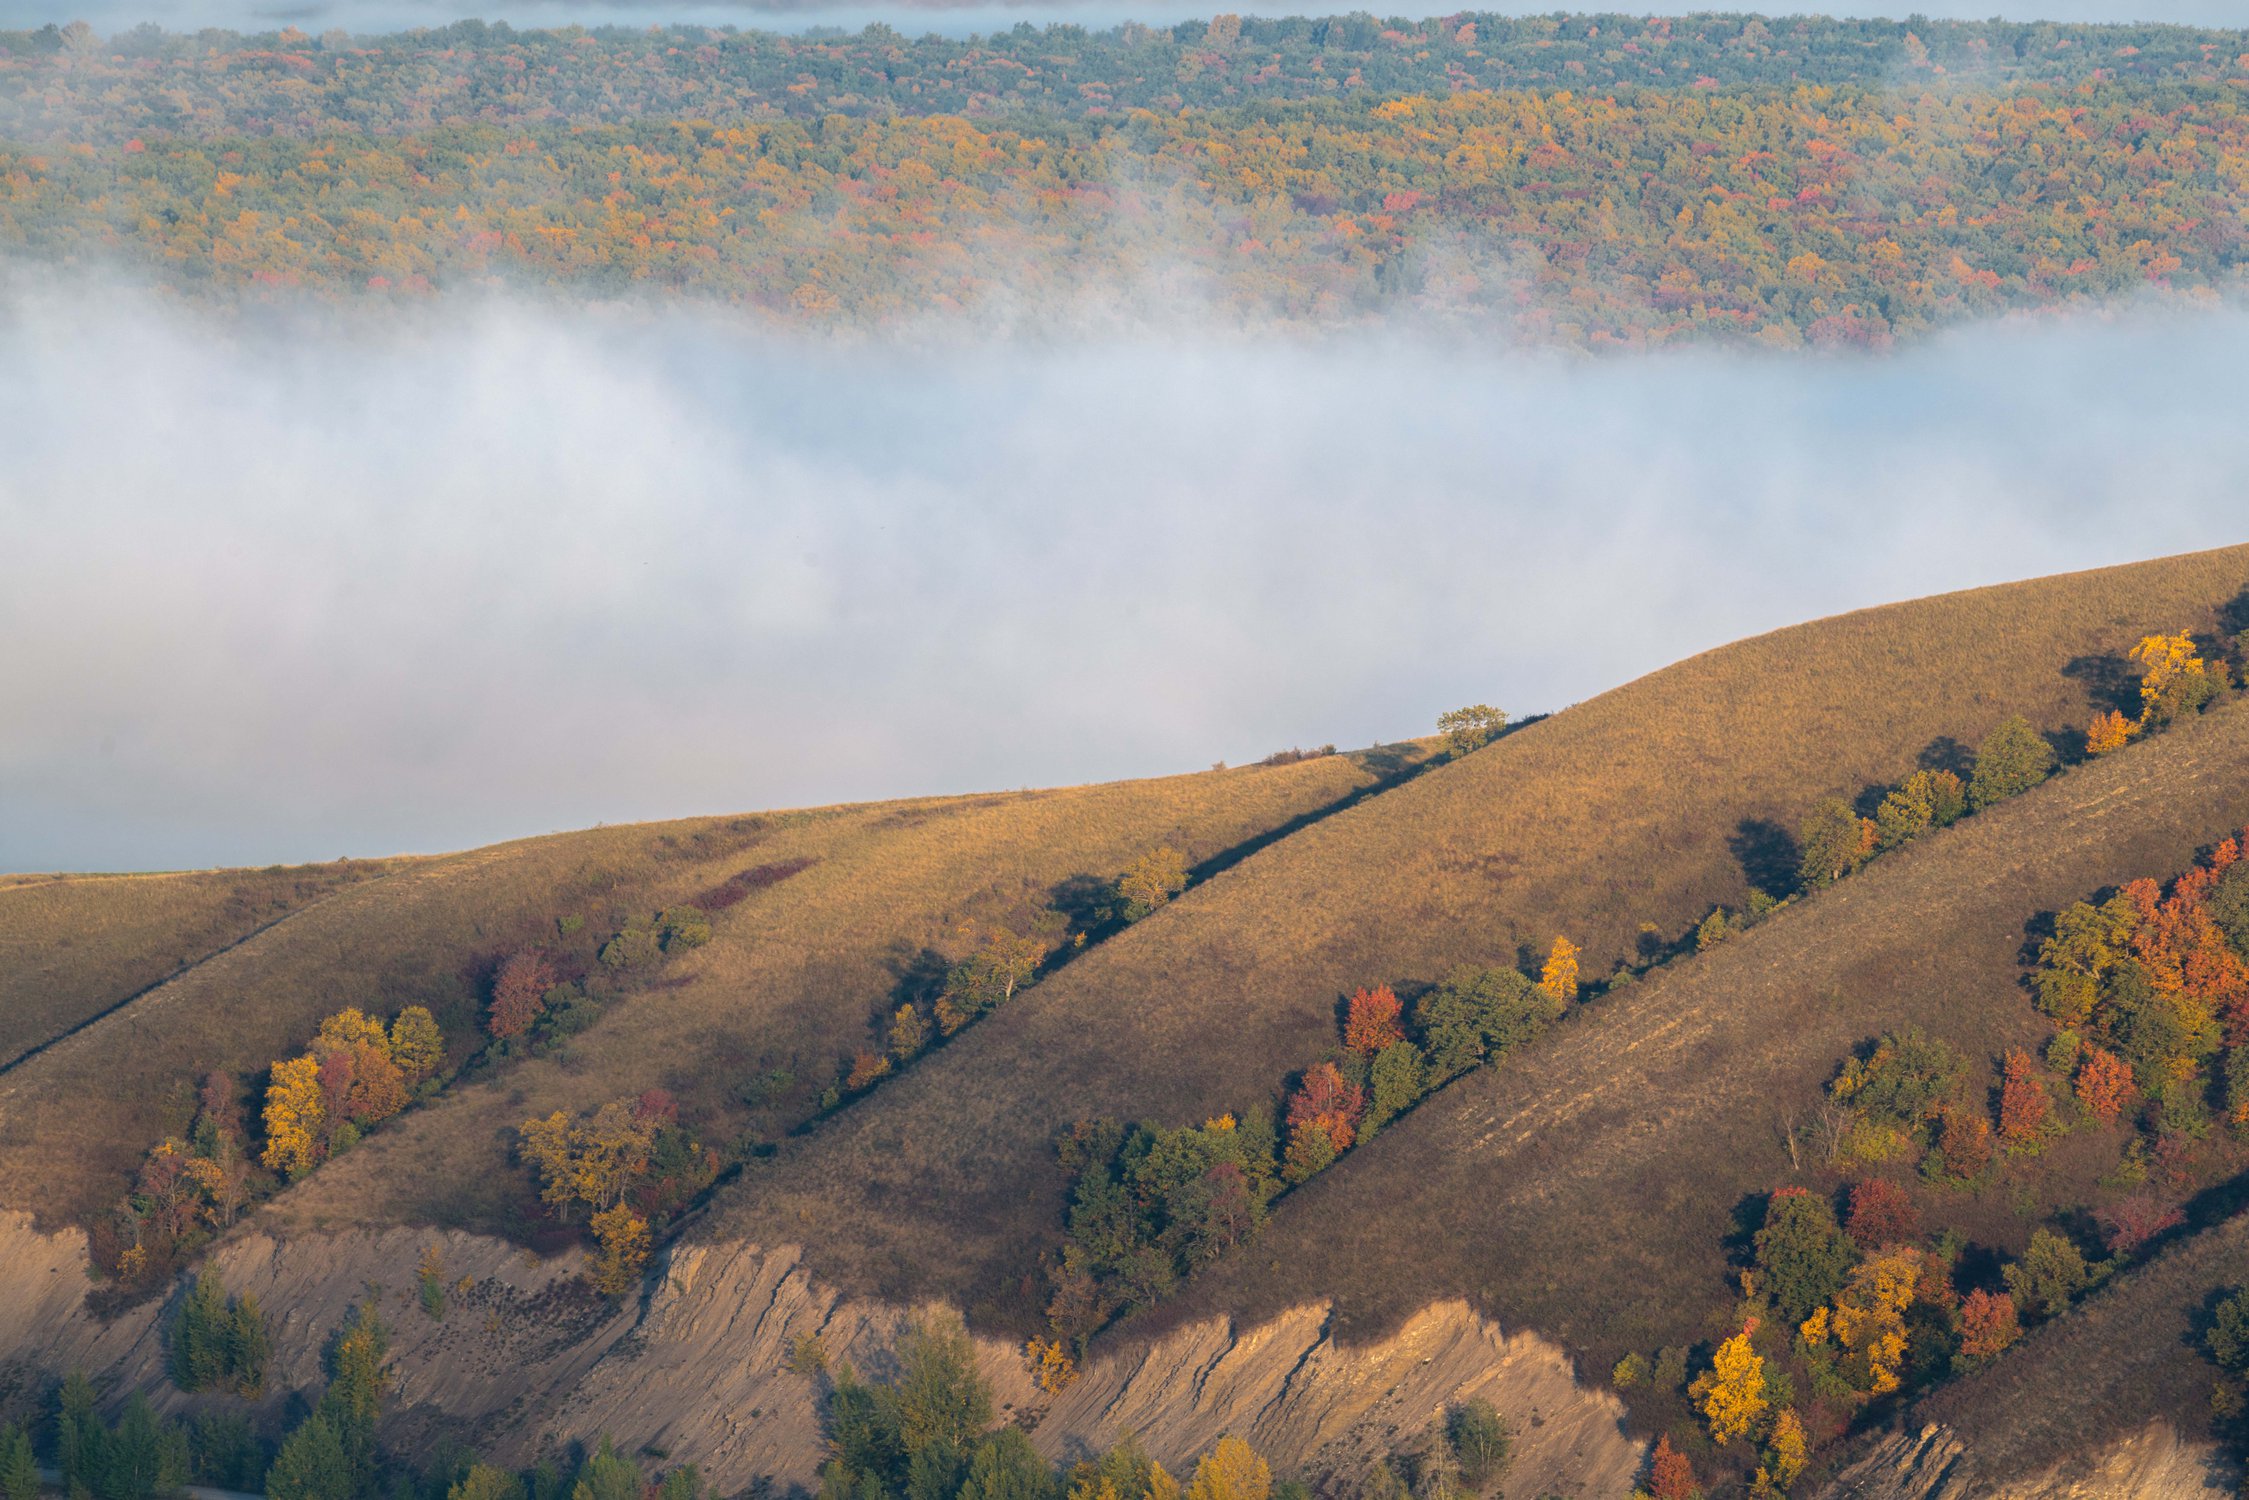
pixel 515 1329
pixel 2154 1463
pixel 706 1371
pixel 711 1366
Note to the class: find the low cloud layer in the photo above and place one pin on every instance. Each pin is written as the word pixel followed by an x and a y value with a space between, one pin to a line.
pixel 277 595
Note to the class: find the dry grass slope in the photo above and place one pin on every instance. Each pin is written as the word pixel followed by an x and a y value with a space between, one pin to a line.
pixel 72 946
pixel 1642 805
pixel 1587 1189
pixel 797 971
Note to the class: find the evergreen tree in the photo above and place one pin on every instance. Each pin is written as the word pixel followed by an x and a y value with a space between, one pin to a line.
pixel 1007 1467
pixel 2012 759
pixel 484 1482
pixel 247 1348
pixel 607 1475
pixel 354 1398
pixel 200 1334
pixel 19 1469
pixel 81 1440
pixel 312 1465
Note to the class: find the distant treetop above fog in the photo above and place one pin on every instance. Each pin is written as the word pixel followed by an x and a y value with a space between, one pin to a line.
pixel 289 82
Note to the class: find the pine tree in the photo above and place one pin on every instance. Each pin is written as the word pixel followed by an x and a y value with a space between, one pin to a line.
pixel 247 1348
pixel 19 1469
pixel 199 1337
pixel 81 1440
pixel 607 1475
pixel 312 1465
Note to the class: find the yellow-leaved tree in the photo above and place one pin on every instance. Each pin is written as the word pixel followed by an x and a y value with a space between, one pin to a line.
pixel 1867 1323
pixel 416 1044
pixel 1559 978
pixel 623 1237
pixel 1731 1392
pixel 1231 1471
pixel 295 1117
pixel 2109 733
pixel 1787 1450
pixel 2174 679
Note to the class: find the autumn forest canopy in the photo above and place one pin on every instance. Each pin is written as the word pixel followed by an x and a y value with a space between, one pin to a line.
pixel 1585 181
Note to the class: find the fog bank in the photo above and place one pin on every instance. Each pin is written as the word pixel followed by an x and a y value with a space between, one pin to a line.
pixel 273 596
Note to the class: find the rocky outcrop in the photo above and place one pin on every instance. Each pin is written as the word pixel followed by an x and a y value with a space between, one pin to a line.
pixel 2154 1463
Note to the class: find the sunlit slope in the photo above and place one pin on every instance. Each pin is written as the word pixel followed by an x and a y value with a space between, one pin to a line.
pixel 72 946
pixel 1588 1188
pixel 804 971
pixel 1636 807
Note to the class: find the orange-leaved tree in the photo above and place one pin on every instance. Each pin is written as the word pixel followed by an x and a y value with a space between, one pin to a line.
pixel 2024 1105
pixel 2104 1085
pixel 1372 1023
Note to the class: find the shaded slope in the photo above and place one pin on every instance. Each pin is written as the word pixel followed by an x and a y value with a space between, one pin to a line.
pixel 2125 1357
pixel 1587 1189
pixel 1638 806
pixel 798 975
pixel 73 946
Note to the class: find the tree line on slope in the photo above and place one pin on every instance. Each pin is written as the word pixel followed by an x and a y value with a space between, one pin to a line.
pixel 1783 216
pixel 1848 1303
pixel 1149 1205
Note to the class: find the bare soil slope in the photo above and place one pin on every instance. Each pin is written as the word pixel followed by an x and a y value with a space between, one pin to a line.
pixel 1644 805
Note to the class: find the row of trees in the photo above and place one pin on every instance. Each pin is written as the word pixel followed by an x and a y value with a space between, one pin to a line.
pixel 1784 215
pixel 1150 1205
pixel 1001 963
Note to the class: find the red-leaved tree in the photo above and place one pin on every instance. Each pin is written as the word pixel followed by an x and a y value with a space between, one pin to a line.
pixel 519 994
pixel 1881 1214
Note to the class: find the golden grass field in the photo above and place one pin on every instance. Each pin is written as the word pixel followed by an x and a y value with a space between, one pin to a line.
pixel 72 946
pixel 1622 811
pixel 793 978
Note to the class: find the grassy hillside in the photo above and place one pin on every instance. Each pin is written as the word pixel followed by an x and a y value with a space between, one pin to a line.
pixel 1643 806
pixel 1588 1188
pixel 749 1030
pixel 797 965
pixel 72 946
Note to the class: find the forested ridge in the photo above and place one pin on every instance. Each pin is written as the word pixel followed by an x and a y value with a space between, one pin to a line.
pixel 1836 215
pixel 60 83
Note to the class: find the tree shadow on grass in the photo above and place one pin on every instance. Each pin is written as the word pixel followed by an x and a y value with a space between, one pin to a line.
pixel 1768 854
pixel 2109 681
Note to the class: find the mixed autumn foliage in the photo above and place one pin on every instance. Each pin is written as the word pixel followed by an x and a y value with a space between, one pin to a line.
pixel 1855 1299
pixel 1583 181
